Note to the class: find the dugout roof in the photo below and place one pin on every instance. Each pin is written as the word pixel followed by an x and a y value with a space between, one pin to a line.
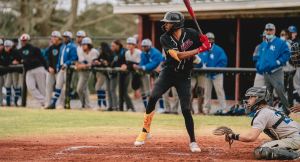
pixel 216 9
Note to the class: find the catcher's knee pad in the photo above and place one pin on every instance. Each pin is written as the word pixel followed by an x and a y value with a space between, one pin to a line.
pixel 267 153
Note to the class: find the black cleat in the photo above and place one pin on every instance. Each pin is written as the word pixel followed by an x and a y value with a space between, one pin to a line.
pixel 51 106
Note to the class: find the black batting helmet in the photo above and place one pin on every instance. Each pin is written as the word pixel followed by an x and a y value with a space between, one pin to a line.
pixel 174 17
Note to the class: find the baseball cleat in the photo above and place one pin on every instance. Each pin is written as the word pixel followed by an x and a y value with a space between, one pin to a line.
pixel 194 147
pixel 140 140
pixel 51 106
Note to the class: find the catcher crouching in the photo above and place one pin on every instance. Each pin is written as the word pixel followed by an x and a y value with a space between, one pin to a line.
pixel 285 132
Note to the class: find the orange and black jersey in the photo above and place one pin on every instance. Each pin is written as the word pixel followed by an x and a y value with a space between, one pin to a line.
pixel 189 40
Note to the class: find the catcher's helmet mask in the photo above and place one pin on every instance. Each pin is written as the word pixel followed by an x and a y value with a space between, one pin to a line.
pixel 261 94
pixel 174 17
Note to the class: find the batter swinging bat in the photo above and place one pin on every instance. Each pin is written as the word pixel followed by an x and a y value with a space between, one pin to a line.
pixel 191 11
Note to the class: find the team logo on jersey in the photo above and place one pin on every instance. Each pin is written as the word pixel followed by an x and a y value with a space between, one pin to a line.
pixel 55 52
pixel 212 56
pixel 68 49
pixel 272 48
pixel 116 58
pixel 25 52
pixel 187 44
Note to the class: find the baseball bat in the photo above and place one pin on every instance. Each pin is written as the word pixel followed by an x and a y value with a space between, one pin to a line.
pixel 192 13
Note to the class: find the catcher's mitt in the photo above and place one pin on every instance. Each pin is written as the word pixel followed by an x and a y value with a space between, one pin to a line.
pixel 223 130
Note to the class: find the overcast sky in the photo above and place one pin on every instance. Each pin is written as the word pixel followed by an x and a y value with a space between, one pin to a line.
pixel 66 4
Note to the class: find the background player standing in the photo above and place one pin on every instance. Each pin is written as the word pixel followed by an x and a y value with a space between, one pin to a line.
pixel 52 55
pixel 66 58
pixel 216 57
pixel 85 60
pixel 35 65
pixel 181 45
pixel 273 55
pixel 12 79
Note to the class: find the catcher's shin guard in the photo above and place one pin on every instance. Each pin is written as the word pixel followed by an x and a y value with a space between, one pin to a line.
pixel 267 153
pixel 140 140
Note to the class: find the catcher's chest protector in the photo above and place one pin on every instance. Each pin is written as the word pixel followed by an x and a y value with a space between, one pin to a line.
pixel 271 131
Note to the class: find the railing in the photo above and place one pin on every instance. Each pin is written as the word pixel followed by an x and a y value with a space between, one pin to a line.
pixel 69 71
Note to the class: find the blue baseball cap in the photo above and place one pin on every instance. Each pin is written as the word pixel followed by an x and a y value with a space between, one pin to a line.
pixel 292 29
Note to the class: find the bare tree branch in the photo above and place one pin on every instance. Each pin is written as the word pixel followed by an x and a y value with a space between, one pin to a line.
pixel 92 22
pixel 72 17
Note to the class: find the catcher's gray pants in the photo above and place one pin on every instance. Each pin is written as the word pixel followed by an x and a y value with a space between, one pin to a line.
pixel 218 84
pixel 259 80
pixel 36 83
pixel 288 143
pixel 296 80
pixel 50 82
pixel 276 81
pixel 82 88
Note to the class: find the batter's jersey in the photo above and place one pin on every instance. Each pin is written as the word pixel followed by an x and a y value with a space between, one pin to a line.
pixel 267 117
pixel 189 40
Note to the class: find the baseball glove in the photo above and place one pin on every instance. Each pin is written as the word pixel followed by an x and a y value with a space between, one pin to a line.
pixel 223 130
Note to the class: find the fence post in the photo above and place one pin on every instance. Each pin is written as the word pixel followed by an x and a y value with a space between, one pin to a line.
pixel 24 89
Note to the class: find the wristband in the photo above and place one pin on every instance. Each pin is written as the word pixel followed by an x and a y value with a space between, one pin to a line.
pixel 235 136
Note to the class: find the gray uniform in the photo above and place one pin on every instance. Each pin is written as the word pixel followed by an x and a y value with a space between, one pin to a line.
pixel 218 84
pixel 287 132
pixel 14 80
pixel 36 83
pixel 50 82
pixel 101 88
pixel 83 76
pixel 132 57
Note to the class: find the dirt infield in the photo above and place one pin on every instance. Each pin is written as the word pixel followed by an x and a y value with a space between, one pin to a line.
pixel 108 148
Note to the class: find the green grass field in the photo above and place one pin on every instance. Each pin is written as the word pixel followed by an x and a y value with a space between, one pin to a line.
pixel 16 122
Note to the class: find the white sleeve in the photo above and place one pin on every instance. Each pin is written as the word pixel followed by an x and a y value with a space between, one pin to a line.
pixel 261 120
